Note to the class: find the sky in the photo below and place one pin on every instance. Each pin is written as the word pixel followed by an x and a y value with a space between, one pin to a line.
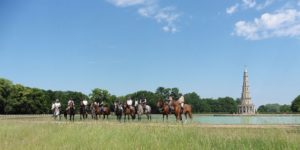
pixel 128 45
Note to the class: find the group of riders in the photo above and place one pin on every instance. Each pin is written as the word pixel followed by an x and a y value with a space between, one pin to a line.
pixel 129 103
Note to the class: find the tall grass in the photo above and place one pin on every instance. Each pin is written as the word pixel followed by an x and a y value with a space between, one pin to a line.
pixel 44 133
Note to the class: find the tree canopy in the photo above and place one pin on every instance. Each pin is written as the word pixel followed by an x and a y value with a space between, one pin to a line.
pixel 19 99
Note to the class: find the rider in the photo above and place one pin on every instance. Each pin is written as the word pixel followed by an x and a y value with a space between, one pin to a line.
pixel 170 99
pixel 117 104
pixel 129 103
pixel 101 106
pixel 85 102
pixel 143 101
pixel 70 102
pixel 181 102
pixel 56 105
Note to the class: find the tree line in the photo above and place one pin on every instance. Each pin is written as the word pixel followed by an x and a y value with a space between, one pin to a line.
pixel 19 99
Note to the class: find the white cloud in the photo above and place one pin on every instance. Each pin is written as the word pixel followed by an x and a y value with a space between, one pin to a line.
pixel 232 9
pixel 167 16
pixel 125 3
pixel 249 3
pixel 283 23
pixel 169 29
pixel 264 5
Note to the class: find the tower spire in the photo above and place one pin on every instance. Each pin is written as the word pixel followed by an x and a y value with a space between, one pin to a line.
pixel 246 106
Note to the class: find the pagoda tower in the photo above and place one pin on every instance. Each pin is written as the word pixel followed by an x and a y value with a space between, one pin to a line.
pixel 246 106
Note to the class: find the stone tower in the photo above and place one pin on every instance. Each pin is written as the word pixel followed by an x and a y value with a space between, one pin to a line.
pixel 246 106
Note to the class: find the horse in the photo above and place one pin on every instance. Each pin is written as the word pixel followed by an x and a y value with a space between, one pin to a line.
pixel 129 112
pixel 95 110
pixel 105 112
pixel 165 108
pixel 83 111
pixel 70 112
pixel 118 111
pixel 140 111
pixel 187 110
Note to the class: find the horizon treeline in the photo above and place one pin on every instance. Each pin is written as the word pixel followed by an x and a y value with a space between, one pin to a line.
pixel 19 99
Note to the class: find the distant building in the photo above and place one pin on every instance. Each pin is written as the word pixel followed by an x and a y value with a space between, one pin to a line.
pixel 246 106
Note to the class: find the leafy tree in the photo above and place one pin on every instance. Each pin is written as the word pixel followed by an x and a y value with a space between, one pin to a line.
pixel 285 108
pixel 100 95
pixel 194 100
pixel 5 89
pixel 262 109
pixel 269 108
pixel 295 107
pixel 163 93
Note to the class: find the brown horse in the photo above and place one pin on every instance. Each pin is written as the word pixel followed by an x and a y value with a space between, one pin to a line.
pixel 164 108
pixel 83 110
pixel 187 110
pixel 70 111
pixel 105 112
pixel 95 110
pixel 129 112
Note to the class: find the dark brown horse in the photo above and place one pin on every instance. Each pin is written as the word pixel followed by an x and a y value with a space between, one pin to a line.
pixel 105 112
pixel 187 110
pixel 118 111
pixel 165 108
pixel 83 110
pixel 129 112
pixel 70 111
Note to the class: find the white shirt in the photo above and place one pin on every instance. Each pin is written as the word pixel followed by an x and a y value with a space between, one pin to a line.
pixel 129 102
pixel 57 104
pixel 85 102
pixel 181 99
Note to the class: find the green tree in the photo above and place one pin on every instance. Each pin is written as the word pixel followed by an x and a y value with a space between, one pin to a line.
pixel 285 108
pixel 100 95
pixel 194 100
pixel 5 91
pixel 295 107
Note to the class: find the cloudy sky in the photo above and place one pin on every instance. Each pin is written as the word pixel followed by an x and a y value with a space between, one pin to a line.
pixel 129 45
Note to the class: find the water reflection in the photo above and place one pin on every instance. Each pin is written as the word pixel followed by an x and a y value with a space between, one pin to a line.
pixel 248 120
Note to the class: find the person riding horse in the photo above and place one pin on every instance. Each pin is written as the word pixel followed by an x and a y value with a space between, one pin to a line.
pixel 101 106
pixel 180 100
pixel 85 102
pixel 70 103
pixel 55 107
pixel 143 101
pixel 129 103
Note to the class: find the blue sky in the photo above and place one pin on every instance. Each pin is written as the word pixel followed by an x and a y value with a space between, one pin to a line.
pixel 129 45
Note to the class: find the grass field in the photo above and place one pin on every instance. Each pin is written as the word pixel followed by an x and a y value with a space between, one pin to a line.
pixel 42 132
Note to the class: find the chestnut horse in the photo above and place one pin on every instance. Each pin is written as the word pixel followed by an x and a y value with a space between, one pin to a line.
pixel 105 112
pixel 187 110
pixel 129 112
pixel 165 108
pixel 95 110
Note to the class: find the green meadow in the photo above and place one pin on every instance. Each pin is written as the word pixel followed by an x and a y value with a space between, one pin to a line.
pixel 27 133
